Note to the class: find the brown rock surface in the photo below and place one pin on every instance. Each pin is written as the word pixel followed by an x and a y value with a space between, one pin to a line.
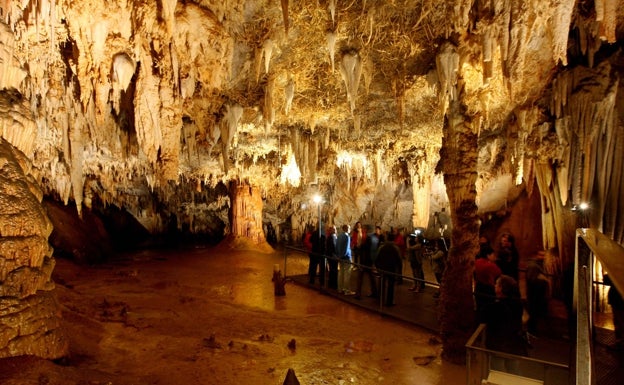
pixel 203 316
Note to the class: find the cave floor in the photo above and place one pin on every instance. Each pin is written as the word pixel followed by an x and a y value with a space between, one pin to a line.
pixel 210 316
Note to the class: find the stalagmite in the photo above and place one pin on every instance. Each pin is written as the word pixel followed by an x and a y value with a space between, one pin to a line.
pixel 246 214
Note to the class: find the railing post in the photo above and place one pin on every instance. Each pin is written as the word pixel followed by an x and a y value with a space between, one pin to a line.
pixel 285 259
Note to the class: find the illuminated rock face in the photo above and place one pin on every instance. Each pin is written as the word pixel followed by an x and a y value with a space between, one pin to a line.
pixel 131 100
pixel 155 106
pixel 30 321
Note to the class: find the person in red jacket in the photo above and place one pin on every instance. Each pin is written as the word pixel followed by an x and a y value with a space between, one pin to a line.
pixel 358 237
pixel 486 272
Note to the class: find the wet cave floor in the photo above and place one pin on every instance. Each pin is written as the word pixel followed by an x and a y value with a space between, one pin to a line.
pixel 209 316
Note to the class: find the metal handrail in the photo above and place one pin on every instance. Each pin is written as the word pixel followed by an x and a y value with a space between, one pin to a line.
pixel 471 346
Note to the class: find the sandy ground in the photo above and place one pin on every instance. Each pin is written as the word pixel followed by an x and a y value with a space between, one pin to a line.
pixel 204 316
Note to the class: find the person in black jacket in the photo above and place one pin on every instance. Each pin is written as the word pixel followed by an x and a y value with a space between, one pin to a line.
pixel 617 307
pixel 317 257
pixel 389 263
pixel 367 258
pixel 504 331
pixel 332 258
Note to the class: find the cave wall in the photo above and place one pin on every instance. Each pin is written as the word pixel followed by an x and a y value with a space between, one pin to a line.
pixel 30 316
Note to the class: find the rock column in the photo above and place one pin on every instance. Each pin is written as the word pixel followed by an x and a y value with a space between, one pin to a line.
pixel 459 156
pixel 30 319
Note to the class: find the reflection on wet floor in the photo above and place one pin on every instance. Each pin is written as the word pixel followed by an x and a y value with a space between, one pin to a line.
pixel 421 309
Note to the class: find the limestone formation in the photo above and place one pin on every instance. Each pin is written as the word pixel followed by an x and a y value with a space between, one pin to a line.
pixel 155 106
pixel 30 320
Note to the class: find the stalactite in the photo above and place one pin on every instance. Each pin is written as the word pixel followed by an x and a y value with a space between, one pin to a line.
pixel 52 20
pixel 233 114
pixel 488 42
pixel 123 71
pixel 290 173
pixel 447 62
pixel 77 160
pixel 351 71
pixel 228 127
pixel 606 14
pixel 332 10
pixel 589 40
pixel 188 85
pixel 285 15
pixel 327 138
pixel 614 208
pixel 543 174
pixel 267 51
pixel 503 9
pixel 11 73
pixel 561 28
pixel 305 156
pixel 420 171
pixel 526 123
pixel 17 126
pixel 168 14
pixel 289 94
pixel 377 164
pixel 331 47
pixel 314 158
pixel 461 14
pixel 258 62
pixel 357 126
pixel 268 110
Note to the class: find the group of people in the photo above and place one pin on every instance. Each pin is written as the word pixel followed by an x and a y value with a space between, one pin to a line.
pixel 369 254
pixel 490 264
pixel 498 300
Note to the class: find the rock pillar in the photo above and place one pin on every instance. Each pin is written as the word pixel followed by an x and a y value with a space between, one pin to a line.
pixel 30 319
pixel 246 230
pixel 459 156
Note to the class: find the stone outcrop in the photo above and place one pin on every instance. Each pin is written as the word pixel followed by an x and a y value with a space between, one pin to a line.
pixel 30 319
pixel 154 107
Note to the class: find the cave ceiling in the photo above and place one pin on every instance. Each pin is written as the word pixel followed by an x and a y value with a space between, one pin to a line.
pixel 120 100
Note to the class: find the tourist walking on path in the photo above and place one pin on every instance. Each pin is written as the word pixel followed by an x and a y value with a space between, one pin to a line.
pixel 343 250
pixel 415 250
pixel 369 254
pixel 332 258
pixel 388 263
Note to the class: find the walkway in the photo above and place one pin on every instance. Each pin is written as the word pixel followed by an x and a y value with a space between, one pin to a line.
pixel 421 309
